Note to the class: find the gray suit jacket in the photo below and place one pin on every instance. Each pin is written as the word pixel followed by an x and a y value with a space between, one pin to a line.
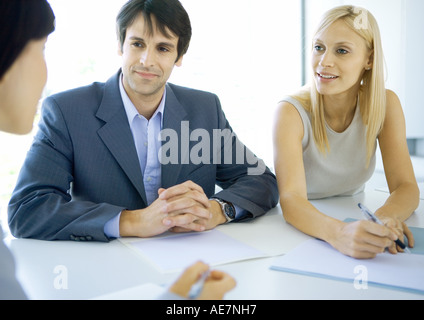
pixel 10 289
pixel 83 169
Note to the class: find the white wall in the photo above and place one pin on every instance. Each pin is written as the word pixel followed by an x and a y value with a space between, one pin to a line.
pixel 245 51
pixel 414 68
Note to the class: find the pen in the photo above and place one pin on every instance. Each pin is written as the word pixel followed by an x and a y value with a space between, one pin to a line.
pixel 197 287
pixel 372 217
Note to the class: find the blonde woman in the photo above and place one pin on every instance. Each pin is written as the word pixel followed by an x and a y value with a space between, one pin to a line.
pixel 325 138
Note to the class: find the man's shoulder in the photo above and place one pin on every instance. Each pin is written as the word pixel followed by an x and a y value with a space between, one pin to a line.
pixel 190 93
pixel 94 90
pixel 88 93
pixel 201 106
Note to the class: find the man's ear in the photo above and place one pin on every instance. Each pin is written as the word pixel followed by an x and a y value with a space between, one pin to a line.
pixel 179 62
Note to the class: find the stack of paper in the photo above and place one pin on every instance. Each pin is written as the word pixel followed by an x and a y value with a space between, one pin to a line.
pixel 176 252
pixel 317 258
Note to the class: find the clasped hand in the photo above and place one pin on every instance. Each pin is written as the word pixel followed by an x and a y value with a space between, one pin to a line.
pixel 182 208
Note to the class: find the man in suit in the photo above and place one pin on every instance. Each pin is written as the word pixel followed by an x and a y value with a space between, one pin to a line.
pixel 97 170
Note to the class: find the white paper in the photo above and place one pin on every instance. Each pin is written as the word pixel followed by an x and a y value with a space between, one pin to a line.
pixel 176 252
pixel 148 291
pixel 317 258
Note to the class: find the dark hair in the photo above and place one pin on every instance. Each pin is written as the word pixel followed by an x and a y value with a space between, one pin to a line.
pixel 20 22
pixel 169 14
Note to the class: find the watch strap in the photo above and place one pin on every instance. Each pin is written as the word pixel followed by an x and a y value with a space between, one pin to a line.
pixel 223 205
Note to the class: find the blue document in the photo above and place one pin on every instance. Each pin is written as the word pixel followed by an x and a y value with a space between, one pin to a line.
pixel 317 258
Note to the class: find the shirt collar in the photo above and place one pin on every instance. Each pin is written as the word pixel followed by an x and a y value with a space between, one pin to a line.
pixel 131 110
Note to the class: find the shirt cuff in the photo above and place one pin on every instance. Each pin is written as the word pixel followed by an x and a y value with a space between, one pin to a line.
pixel 240 213
pixel 111 228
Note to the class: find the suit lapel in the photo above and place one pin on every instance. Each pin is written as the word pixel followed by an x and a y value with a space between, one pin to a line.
pixel 116 134
pixel 174 118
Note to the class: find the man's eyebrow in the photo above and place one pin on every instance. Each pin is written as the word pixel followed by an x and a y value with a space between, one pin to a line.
pixel 167 44
pixel 136 38
pixel 162 44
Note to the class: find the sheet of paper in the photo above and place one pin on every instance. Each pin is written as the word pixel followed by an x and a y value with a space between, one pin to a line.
pixel 419 240
pixel 318 258
pixel 148 291
pixel 176 252
pixel 269 233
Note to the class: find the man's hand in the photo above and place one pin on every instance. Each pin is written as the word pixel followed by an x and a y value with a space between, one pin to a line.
pixel 182 208
pixel 179 214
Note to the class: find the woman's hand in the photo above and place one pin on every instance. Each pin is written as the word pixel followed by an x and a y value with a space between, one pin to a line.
pixel 216 285
pixel 363 239
pixel 401 230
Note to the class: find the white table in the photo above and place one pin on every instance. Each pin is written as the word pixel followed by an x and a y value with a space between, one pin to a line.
pixel 95 269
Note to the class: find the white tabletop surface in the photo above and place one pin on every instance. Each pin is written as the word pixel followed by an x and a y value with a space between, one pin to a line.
pixel 96 269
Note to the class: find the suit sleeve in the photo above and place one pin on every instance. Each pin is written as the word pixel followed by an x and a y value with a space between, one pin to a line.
pixel 41 205
pixel 246 182
pixel 10 289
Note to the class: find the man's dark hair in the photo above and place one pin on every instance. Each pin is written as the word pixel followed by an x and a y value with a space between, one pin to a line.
pixel 169 14
pixel 20 22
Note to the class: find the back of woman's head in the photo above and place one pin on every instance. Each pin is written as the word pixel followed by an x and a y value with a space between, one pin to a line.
pixel 22 21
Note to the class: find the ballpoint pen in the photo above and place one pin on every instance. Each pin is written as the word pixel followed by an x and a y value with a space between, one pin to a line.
pixel 372 217
pixel 197 287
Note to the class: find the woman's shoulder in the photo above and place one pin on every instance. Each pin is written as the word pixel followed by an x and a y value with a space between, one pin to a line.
pixel 292 118
pixel 290 107
pixel 395 117
pixel 391 96
pixel 393 104
pixel 301 97
pixel 294 105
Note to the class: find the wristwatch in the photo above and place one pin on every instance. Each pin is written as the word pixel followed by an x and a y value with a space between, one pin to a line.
pixel 227 209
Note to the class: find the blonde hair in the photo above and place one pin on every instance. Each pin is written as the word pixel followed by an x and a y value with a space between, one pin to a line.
pixel 372 94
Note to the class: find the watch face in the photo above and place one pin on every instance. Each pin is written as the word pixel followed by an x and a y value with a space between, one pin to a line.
pixel 230 211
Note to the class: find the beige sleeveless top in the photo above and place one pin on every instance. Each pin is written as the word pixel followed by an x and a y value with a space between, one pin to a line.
pixel 341 172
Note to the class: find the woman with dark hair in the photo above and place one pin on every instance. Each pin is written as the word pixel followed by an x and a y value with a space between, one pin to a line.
pixel 24 27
